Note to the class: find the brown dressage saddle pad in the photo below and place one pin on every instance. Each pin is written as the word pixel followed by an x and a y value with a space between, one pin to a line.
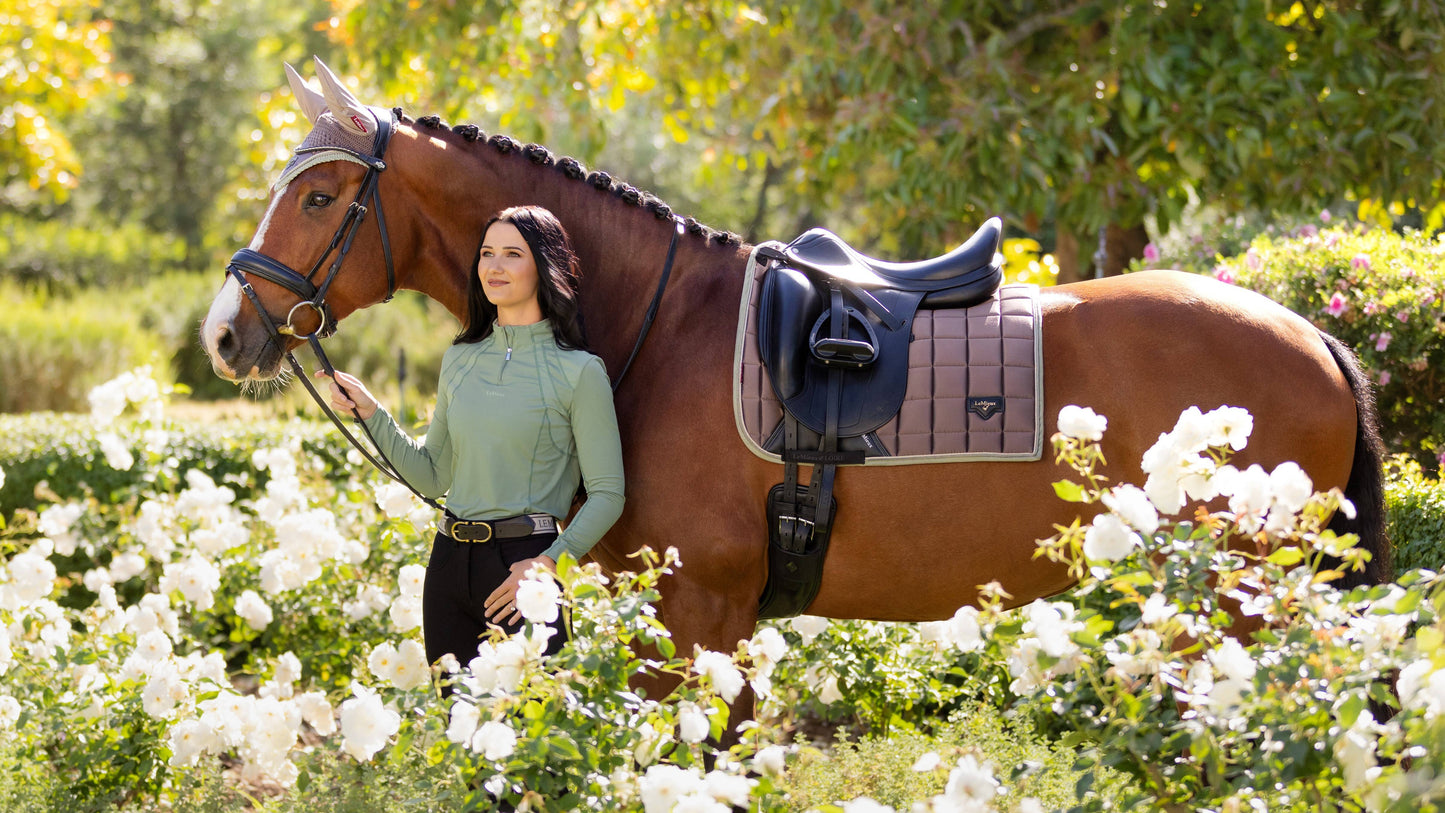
pixel 974 384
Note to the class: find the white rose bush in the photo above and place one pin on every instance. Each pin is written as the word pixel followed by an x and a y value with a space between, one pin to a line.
pixel 258 613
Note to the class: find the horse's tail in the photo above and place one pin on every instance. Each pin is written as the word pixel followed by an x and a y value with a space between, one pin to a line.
pixel 1366 487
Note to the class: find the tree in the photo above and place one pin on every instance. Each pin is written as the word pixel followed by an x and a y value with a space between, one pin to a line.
pixel 52 59
pixel 910 123
pixel 167 141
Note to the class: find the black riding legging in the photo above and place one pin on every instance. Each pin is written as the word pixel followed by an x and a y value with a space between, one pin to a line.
pixel 459 577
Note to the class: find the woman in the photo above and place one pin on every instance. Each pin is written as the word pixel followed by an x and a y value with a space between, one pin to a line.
pixel 523 413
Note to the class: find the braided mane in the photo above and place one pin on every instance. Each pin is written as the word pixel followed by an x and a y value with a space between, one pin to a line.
pixel 574 170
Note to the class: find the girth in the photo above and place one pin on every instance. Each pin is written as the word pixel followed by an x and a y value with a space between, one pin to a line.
pixel 834 329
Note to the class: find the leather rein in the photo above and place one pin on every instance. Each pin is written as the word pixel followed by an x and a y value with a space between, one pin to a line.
pixel 247 261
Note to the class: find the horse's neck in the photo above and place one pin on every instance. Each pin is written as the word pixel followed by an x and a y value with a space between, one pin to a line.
pixel 622 247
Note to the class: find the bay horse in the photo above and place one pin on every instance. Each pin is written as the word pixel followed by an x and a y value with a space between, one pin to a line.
pixel 910 543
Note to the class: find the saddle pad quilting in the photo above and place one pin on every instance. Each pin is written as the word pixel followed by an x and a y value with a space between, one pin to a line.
pixel 990 350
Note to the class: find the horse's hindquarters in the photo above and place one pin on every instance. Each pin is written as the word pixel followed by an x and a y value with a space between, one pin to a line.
pixel 915 542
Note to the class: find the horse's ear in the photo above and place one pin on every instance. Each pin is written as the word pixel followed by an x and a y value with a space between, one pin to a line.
pixel 313 104
pixel 351 113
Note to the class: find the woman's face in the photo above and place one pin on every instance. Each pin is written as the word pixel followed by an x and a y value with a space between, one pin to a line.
pixel 507 269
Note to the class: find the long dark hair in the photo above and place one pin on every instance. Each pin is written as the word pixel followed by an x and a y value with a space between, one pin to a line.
pixel 557 270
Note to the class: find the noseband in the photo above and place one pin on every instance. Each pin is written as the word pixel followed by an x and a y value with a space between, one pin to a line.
pixel 247 261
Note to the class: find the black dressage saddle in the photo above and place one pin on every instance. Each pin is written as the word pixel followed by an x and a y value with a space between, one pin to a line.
pixel 833 332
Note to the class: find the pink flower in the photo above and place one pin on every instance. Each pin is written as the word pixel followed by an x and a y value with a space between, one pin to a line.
pixel 1382 341
pixel 1360 262
pixel 1384 378
pixel 1332 238
pixel 1224 273
pixel 1337 304
pixel 1441 458
pixel 1325 215
pixel 1371 307
pixel 1308 230
pixel 1252 259
pixel 1151 254
pixel 1403 316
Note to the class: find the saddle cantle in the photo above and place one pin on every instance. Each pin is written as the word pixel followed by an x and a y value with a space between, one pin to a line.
pixel 834 329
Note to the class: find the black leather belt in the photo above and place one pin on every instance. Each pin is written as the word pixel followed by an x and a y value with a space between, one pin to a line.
pixel 486 530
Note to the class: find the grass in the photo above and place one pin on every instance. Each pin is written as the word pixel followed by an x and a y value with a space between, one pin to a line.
pixel 882 769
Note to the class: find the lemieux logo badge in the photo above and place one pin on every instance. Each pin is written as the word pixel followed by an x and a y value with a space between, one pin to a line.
pixel 985 407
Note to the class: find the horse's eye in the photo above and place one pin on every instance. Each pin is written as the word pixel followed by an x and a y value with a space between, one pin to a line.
pixel 318 200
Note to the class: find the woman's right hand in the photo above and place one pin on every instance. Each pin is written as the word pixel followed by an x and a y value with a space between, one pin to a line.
pixel 354 396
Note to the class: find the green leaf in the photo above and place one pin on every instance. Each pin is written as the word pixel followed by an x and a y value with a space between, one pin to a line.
pixel 1350 709
pixel 1286 557
pixel 1069 491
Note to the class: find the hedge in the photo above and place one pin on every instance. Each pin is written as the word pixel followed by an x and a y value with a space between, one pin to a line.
pixel 60 453
pixel 55 348
pixel 1380 292
pixel 1416 508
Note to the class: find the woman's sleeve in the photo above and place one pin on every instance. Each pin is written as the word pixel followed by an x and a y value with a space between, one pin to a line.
pixel 599 454
pixel 426 466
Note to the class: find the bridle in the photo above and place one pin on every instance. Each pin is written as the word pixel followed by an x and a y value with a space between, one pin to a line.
pixel 247 261
pixel 312 295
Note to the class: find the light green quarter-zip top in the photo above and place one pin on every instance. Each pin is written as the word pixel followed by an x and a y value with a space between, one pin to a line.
pixel 519 422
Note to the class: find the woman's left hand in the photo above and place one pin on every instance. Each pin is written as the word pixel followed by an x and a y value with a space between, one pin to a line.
pixel 503 601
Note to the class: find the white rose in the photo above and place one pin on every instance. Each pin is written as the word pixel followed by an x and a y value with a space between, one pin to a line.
pixel 495 740
pixel 809 626
pixel 770 761
pixel 537 600
pixel 317 712
pixel 464 720
pixel 406 613
pixel 394 500
pixel 410 669
pixel 1109 539
pixel 189 739
pixel 828 693
pixel 728 788
pixel 692 723
pixel 971 782
pixel 663 786
pixel 254 610
pixel 366 724
pixel 1082 423
pixel 721 670
pixel 1134 507
pixel 1290 486
pixel 116 451
pixel 32 576
pixel 411 580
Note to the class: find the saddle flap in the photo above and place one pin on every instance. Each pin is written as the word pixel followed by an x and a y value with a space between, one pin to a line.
pixel 788 307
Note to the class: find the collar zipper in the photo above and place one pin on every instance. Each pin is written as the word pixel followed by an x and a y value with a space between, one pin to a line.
pixel 507 332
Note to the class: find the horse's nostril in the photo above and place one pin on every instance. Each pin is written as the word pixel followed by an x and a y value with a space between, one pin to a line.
pixel 225 342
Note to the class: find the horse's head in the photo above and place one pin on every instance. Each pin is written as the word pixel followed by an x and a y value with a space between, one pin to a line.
pixel 287 285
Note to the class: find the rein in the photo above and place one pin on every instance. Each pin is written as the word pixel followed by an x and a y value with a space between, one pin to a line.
pixel 246 261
